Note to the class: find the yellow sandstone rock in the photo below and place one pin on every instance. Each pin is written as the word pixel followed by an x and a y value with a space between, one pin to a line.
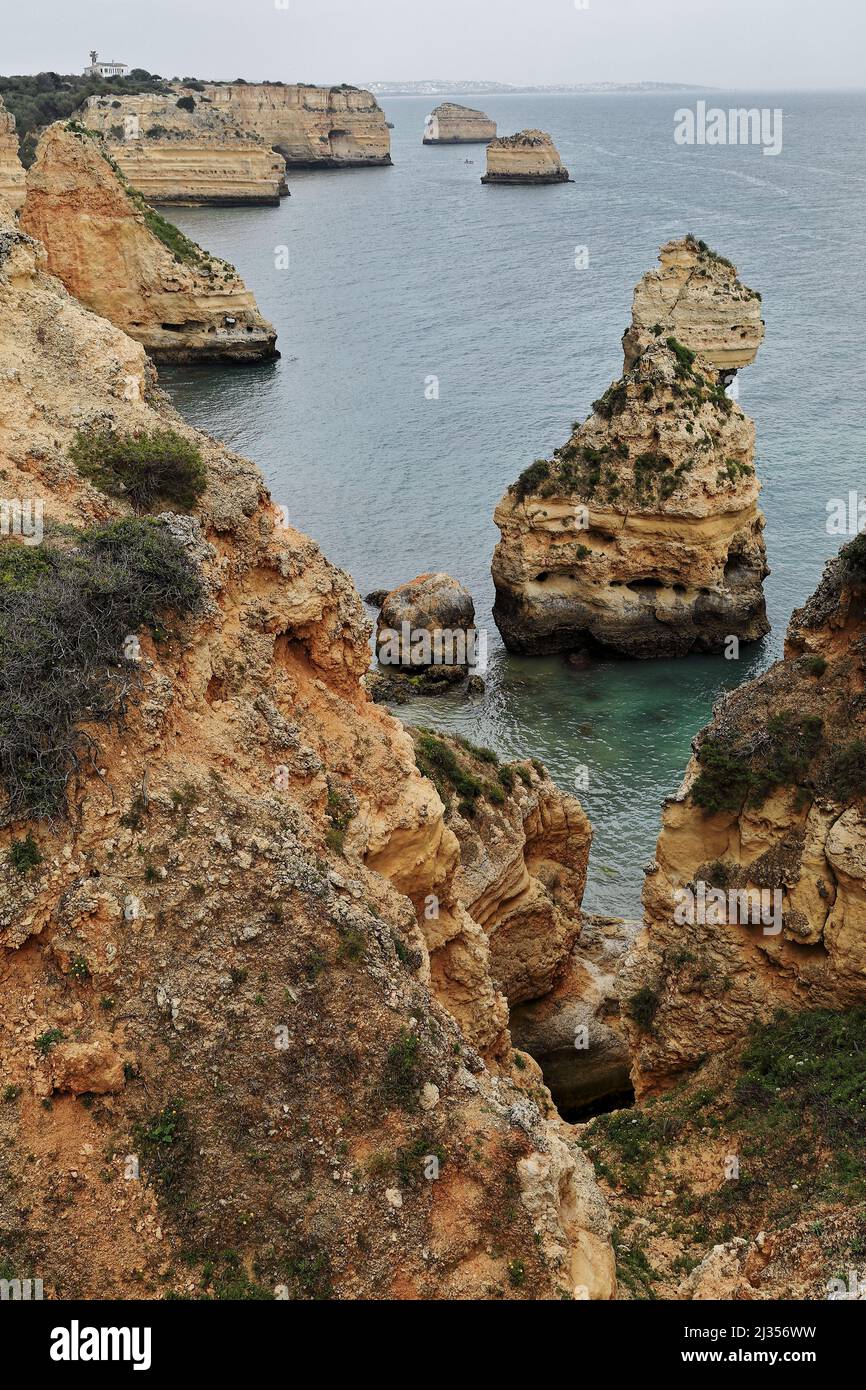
pixel 312 127
pixel 530 156
pixel 642 534
pixel 173 154
pixel 451 124
pixel 12 186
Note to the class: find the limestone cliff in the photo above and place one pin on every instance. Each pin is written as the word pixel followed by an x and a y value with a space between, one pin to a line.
pixel 245 944
pixel 768 832
pixel 530 156
pixel 11 168
pixel 178 148
pixel 452 124
pixel 312 127
pixel 642 535
pixel 123 261
pixel 696 297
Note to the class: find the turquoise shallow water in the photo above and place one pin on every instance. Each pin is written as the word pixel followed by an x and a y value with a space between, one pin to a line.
pixel 397 275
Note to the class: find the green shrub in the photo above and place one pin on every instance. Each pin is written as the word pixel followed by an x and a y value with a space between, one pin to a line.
pixel 613 402
pixel 853 561
pixel 531 479
pixel 50 1038
pixel 843 776
pixel 732 776
pixel 643 1007
pixel 165 1147
pixel 401 1080
pixel 815 665
pixel 186 103
pixel 143 468
pixel 62 656
pixel 25 854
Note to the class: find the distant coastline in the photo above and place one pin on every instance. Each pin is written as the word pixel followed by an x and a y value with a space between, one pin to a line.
pixel 443 89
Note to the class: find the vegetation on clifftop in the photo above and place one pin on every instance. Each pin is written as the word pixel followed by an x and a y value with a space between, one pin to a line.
pixel 68 650
pixel 143 468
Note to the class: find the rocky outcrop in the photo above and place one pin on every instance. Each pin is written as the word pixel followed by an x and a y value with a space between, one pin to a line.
pixel 530 156
pixel 428 621
pixel 524 849
pixel 121 259
pixel 311 127
pixel 451 124
pixel 252 908
pixel 696 297
pixel 756 899
pixel 643 534
pixel 178 148
pixel 11 169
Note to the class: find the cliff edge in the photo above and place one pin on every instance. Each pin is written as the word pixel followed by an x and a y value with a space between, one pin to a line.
pixel 122 260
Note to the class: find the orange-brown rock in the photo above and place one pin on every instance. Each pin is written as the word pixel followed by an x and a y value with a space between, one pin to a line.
pixel 122 260
pixel 240 903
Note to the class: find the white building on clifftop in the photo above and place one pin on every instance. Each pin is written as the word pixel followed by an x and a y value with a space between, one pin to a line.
pixel 97 69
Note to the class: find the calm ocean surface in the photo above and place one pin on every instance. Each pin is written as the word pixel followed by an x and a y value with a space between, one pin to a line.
pixel 400 274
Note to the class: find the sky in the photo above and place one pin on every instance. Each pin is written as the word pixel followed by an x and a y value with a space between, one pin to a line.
pixel 748 44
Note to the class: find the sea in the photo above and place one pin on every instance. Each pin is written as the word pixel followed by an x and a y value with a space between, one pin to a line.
pixel 437 335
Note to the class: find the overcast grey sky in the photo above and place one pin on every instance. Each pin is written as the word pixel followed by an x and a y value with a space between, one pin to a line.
pixel 741 43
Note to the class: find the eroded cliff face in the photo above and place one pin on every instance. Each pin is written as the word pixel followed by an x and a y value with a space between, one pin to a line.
pixel 11 169
pixel 530 156
pixel 697 297
pixel 642 535
pixel 173 154
pixel 312 127
pixel 452 124
pixel 116 255
pixel 768 832
pixel 228 947
pixel 523 853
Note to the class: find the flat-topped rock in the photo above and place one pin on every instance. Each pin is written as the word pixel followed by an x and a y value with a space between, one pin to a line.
pixel 178 148
pixel 530 156
pixel 451 124
pixel 311 127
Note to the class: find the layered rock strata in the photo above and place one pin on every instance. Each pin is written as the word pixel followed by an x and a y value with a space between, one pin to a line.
pixel 122 260
pixel 180 149
pixel 12 175
pixel 756 898
pixel 530 156
pixel 697 297
pixel 451 124
pixel 642 535
pixel 312 127
pixel 246 944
